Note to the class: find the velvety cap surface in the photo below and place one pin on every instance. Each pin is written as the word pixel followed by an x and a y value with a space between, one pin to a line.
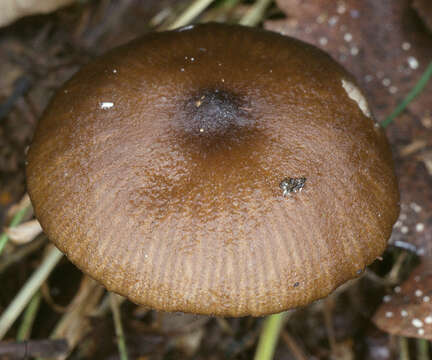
pixel 214 169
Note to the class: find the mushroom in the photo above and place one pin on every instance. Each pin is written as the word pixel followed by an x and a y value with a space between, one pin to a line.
pixel 215 169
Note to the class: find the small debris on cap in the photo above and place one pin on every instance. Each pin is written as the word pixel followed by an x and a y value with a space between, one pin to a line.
pixel 106 105
pixel 292 185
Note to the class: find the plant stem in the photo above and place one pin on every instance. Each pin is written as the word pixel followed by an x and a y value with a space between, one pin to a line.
pixel 417 89
pixel 191 12
pixel 422 349
pixel 28 290
pixel 403 348
pixel 30 313
pixel 256 13
pixel 121 343
pixel 269 336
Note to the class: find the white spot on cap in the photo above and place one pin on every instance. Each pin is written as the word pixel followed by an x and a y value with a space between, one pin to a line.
pixel 355 94
pixel 418 293
pixel 417 323
pixel 386 82
pixel 393 89
pixel 406 46
pixel 420 331
pixel 420 227
pixel 106 105
pixel 397 289
pixel 397 224
pixel 404 313
pixel 426 298
pixel 323 41
pixel 354 50
pixel 413 62
pixel 404 229
pixel 115 71
pixel 388 314
pixel 387 298
pixel 348 37
pixel 416 207
pixel 428 319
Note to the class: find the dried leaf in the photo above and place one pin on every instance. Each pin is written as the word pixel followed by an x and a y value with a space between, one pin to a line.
pixel 408 310
pixel 75 324
pixel 25 232
pixel 387 57
pixel 11 10
pixel 23 203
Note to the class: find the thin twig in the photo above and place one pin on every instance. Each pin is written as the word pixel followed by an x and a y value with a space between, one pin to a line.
pixel 21 252
pixel 418 88
pixel 256 13
pixel 28 290
pixel 121 343
pixel 191 12
pixel 74 325
pixel 295 349
pixel 34 348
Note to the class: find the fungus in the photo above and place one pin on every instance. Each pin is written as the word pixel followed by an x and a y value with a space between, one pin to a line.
pixel 185 195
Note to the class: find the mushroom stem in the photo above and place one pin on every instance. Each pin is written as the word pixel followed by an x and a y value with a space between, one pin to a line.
pixel 269 336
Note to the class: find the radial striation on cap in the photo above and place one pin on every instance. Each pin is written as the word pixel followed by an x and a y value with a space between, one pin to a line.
pixel 214 169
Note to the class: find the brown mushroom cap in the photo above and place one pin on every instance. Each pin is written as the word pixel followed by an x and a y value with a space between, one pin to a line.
pixel 170 170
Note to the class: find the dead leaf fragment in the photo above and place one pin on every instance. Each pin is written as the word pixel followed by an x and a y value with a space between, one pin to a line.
pixel 387 57
pixel 75 324
pixel 25 232
pixel 408 310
